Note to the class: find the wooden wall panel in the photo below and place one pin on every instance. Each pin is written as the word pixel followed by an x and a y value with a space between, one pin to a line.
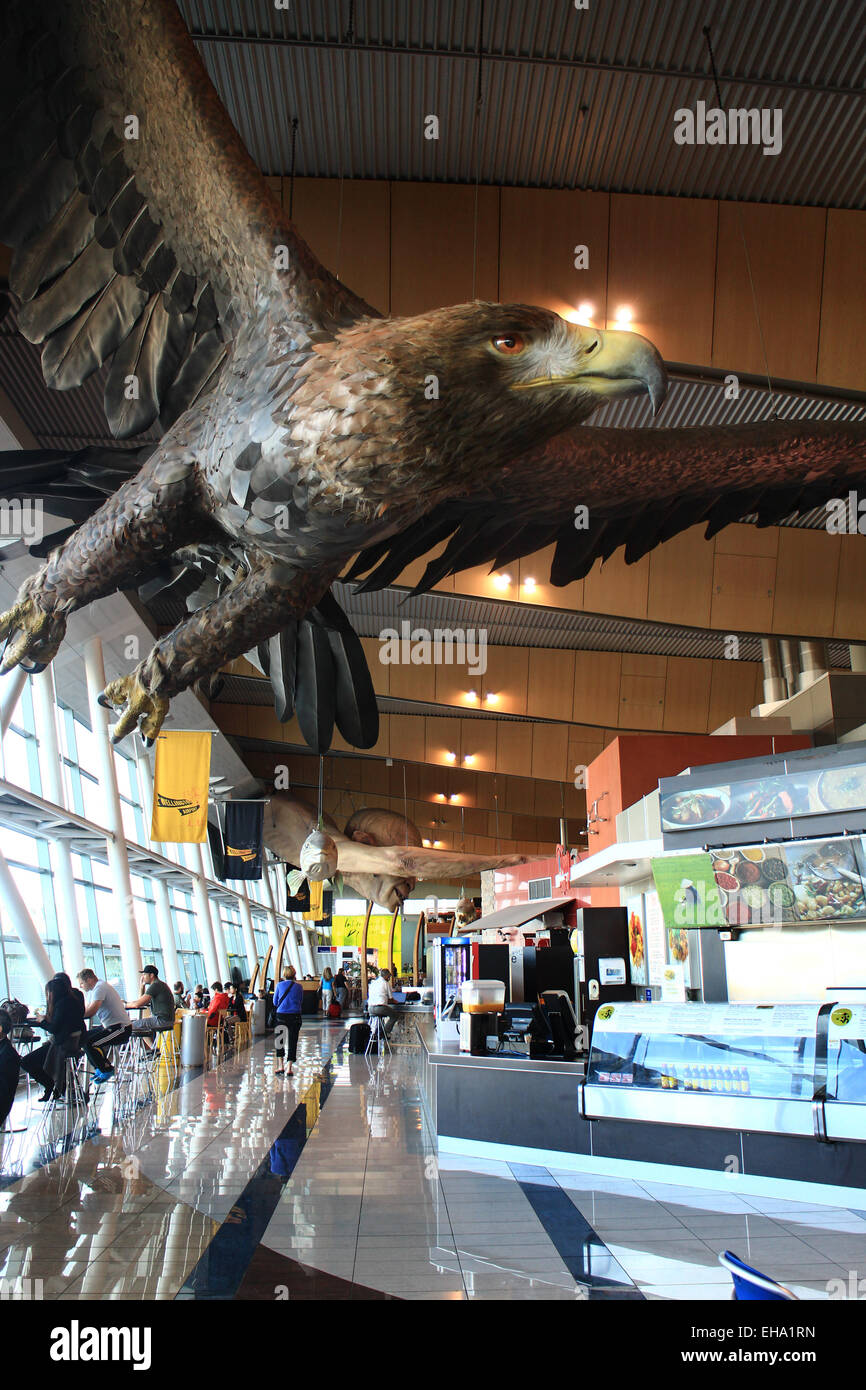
pixel 541 592
pixel 432 234
pixel 735 689
pixel 687 695
pixel 550 751
pixel 748 540
pixel 363 246
pixel 596 686
pixel 478 740
pixel 407 737
pixel 540 229
pixel 551 683
pixel 786 249
pixel 806 577
pixel 850 617
pixel 441 736
pixel 408 682
pixel 615 587
pixel 642 700
pixel 662 262
pixel 841 359
pixel 513 748
pixel 669 598
pixel 743 590
pixel 507 676
pixel 380 674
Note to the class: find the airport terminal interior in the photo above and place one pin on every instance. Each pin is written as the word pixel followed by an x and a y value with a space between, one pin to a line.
pixel 433 650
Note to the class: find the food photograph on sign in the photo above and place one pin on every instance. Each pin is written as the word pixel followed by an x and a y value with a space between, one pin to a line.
pixel 766 799
pixel 637 940
pixel 826 879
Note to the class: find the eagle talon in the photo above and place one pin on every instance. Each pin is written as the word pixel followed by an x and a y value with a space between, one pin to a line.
pixel 40 636
pixel 139 708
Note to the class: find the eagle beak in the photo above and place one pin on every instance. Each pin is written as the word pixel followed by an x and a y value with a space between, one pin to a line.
pixel 622 364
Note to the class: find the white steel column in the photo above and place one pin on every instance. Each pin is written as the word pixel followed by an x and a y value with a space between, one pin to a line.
pixel 249 933
pixel 308 954
pixel 59 852
pixel 118 860
pixel 13 684
pixel 164 923
pixel 205 921
pixel 20 921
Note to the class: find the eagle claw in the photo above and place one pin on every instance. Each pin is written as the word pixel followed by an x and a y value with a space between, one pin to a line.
pixel 41 635
pixel 139 707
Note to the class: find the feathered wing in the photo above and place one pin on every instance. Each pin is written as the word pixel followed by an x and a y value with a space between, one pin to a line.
pixel 640 487
pixel 143 234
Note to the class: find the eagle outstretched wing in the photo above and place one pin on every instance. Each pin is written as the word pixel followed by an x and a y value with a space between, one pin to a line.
pixel 639 487
pixel 142 231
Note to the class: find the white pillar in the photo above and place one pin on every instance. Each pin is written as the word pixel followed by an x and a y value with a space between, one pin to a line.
pixel 308 954
pixel 204 921
pixel 118 860
pixel 164 924
pixel 13 684
pixel 59 852
pixel 19 919
pixel 249 933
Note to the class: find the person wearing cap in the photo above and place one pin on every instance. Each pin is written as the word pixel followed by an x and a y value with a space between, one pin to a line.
pixel 161 1000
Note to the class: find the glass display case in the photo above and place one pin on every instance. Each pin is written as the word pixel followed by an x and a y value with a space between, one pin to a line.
pixel 777 1068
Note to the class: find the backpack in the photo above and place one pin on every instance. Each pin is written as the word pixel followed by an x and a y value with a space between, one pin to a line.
pixel 17 1011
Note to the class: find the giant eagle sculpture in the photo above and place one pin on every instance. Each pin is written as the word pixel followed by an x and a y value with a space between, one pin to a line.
pixel 297 427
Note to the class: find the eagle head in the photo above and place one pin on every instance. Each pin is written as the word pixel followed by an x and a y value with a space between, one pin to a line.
pixel 471 381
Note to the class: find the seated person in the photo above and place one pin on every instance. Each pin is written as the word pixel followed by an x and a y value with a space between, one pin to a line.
pixel 219 1000
pixel 180 995
pixel 156 993
pixel 10 1064
pixel 64 1021
pixel 111 1023
pixel 379 1000
pixel 237 1007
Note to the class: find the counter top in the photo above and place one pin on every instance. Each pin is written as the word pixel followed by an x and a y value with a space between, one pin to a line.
pixel 440 1053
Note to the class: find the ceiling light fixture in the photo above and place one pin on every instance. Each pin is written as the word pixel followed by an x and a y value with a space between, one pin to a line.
pixel 623 316
pixel 450 757
pixel 491 697
pixel 469 759
pixel 501 581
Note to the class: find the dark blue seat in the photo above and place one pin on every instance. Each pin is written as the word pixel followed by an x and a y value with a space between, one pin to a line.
pixel 750 1284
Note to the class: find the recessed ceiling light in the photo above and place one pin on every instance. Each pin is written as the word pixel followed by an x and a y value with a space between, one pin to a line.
pixel 501 581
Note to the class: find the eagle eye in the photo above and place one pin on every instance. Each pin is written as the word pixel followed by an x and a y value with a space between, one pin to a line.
pixel 509 344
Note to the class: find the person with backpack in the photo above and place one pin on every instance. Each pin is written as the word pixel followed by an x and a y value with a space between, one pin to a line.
pixel 288 1003
pixel 10 1067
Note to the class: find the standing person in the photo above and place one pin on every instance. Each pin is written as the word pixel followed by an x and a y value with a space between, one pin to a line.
pixel 288 1003
pixel 64 1020
pixel 10 1064
pixel 157 994
pixel 395 976
pixel 379 1000
pixel 341 989
pixel 112 1024
pixel 327 990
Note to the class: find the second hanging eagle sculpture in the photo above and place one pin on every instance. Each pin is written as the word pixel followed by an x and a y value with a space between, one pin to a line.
pixel 299 428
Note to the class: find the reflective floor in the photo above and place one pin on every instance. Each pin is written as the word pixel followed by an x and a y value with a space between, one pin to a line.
pixel 241 1184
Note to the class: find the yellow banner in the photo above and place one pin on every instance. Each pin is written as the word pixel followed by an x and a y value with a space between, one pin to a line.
pixel 180 788
pixel 315 913
pixel 347 931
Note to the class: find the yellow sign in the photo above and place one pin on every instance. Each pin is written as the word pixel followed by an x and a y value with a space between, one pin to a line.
pixel 180 788
pixel 347 931
pixel 841 1017
pixel 315 913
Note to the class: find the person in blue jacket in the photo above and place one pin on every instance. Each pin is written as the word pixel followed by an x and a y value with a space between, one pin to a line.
pixel 288 1002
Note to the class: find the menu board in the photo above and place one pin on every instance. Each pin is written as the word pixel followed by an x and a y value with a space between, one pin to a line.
pixel 655 939
pixel 689 895
pixel 637 939
pixel 807 881
pixel 773 798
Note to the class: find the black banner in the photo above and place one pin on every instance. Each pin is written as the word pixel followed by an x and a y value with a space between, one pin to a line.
pixel 243 839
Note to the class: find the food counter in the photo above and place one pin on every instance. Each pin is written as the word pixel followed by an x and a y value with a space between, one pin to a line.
pixel 764 1098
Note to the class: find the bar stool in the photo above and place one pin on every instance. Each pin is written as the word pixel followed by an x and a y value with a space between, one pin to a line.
pixel 215 1039
pixel 243 1033
pixel 168 1050
pixel 377 1035
pixel 75 1090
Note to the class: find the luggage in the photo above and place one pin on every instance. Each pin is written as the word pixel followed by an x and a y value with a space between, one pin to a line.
pixel 334 1011
pixel 359 1036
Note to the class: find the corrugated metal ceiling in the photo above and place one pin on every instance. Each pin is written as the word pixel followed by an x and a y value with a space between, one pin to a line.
pixel 569 98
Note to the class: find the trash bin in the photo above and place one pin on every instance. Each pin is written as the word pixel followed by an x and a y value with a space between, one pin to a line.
pixel 258 1014
pixel 192 1040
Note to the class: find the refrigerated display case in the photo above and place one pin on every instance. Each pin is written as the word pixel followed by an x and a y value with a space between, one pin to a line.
pixel 777 1069
pixel 451 963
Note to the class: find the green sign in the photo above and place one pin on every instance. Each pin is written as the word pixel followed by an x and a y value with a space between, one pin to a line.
pixel 688 892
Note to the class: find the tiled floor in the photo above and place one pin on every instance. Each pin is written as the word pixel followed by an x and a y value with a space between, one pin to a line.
pixel 240 1184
